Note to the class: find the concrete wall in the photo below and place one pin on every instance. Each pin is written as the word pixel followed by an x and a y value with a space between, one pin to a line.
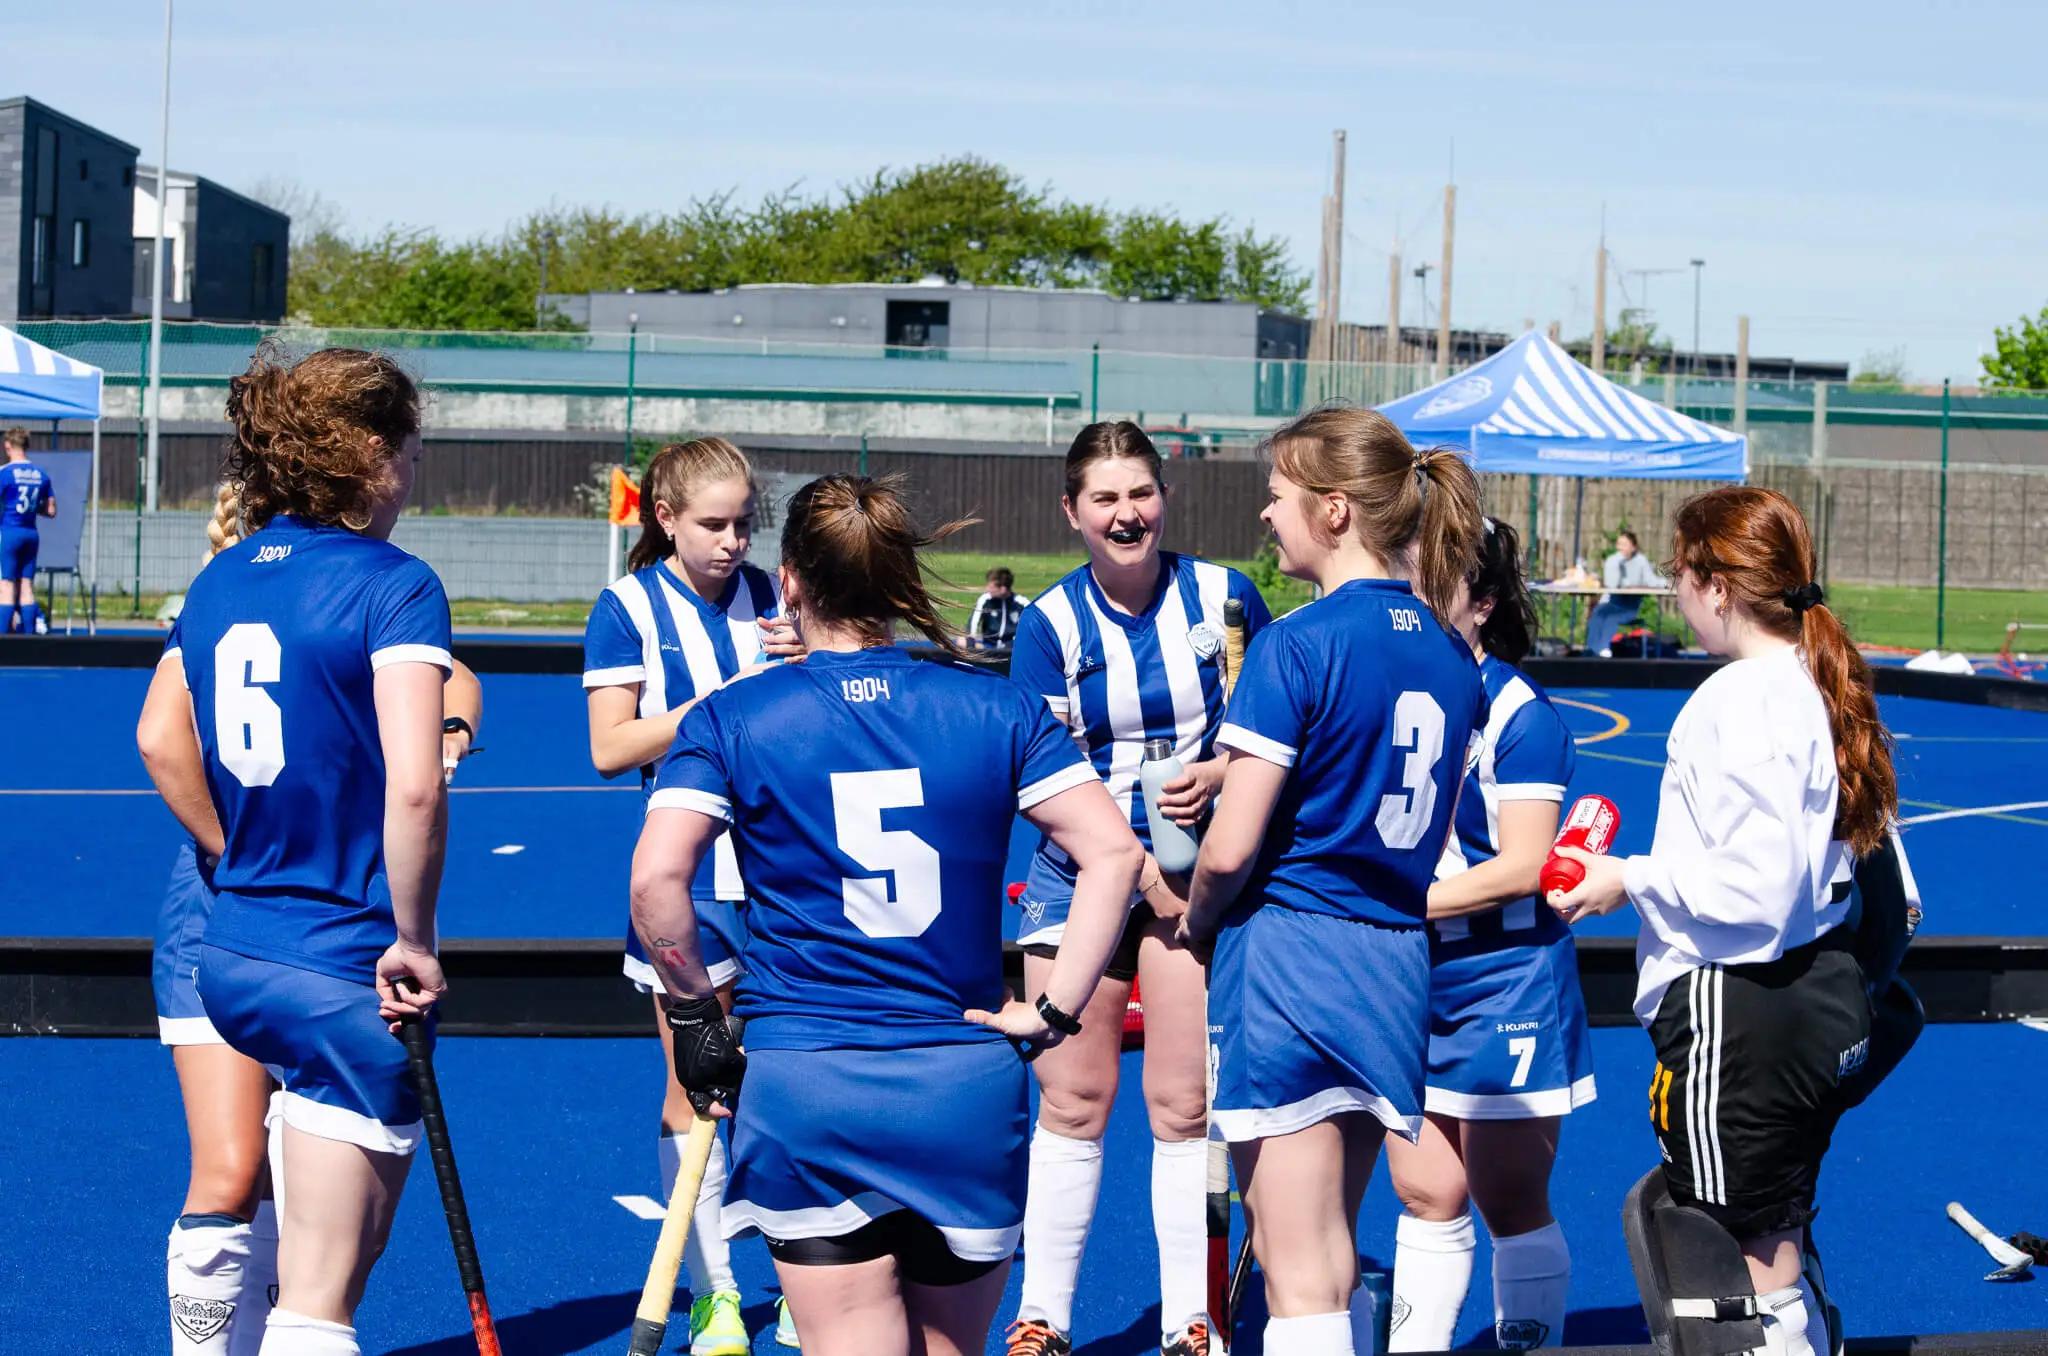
pixel 90 180
pixel 978 318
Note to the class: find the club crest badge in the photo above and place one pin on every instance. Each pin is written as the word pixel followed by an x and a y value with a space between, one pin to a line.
pixel 1206 640
pixel 1520 1334
pixel 200 1319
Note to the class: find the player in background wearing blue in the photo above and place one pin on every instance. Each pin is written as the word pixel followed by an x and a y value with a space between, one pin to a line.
pixel 313 654
pixel 689 615
pixel 25 497
pixel 1509 1052
pixel 1124 649
pixel 221 1261
pixel 1349 734
pixel 880 1145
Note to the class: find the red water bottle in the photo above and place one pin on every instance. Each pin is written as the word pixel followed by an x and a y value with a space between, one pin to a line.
pixel 1590 827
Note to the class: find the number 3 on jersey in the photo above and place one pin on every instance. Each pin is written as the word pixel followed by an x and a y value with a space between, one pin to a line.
pixel 247 724
pixel 858 799
pixel 1419 733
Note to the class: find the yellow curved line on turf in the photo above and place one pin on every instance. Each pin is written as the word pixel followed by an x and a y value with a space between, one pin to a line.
pixel 1620 726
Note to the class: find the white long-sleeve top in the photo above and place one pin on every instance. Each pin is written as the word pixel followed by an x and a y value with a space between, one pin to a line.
pixel 1744 861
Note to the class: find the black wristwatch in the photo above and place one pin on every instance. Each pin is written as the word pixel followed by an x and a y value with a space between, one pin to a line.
pixel 457 725
pixel 1063 1022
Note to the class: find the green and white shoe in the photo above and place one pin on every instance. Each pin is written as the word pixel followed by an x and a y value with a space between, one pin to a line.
pixel 785 1326
pixel 716 1328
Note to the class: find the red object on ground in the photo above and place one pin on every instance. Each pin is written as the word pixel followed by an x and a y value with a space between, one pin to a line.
pixel 1590 827
pixel 1134 1019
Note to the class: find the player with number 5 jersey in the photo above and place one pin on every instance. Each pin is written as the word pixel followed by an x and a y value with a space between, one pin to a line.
pixel 879 1143
pixel 1349 734
pixel 314 653
pixel 1509 1053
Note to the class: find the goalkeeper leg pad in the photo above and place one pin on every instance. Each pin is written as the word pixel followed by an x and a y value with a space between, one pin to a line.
pixel 1697 1296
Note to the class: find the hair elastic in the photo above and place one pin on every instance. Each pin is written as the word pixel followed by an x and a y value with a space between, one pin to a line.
pixel 1807 595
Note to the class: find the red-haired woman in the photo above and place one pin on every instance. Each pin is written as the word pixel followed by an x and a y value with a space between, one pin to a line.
pixel 1779 777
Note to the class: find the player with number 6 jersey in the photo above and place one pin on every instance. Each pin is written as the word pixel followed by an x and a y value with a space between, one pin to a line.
pixel 870 795
pixel 312 656
pixel 1509 1052
pixel 1349 734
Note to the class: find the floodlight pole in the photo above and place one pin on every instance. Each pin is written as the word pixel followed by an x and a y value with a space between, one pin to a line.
pixel 1941 537
pixel 1697 266
pixel 156 282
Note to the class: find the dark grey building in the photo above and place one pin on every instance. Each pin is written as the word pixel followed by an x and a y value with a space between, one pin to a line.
pixel 67 210
pixel 225 256
pixel 939 316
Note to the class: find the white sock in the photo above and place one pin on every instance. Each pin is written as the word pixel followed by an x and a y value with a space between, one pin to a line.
pixel 1432 1273
pixel 259 1283
pixel 204 1263
pixel 1180 1222
pixel 1531 1273
pixel 706 1254
pixel 1364 1332
pixel 1311 1335
pixel 1059 1205
pixel 1784 1314
pixel 290 1334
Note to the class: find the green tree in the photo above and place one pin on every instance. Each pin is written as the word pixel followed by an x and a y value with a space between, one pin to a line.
pixel 2019 360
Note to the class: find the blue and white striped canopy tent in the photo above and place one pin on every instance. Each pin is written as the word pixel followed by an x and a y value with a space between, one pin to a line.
pixel 1532 408
pixel 36 383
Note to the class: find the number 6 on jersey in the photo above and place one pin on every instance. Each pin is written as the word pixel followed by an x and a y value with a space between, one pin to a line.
pixel 246 719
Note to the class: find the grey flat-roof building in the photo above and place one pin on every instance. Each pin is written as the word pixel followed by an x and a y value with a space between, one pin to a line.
pixel 66 209
pixel 225 256
pixel 939 316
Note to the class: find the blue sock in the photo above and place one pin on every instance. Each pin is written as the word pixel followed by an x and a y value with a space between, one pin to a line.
pixel 31 613
pixel 7 616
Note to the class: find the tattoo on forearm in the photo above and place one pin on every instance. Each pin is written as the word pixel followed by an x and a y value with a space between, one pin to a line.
pixel 669 954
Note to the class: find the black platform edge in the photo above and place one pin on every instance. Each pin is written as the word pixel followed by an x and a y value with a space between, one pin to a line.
pixel 566 656
pixel 2018 1343
pixel 98 986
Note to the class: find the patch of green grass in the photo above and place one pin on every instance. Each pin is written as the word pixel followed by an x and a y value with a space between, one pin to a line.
pixel 1883 614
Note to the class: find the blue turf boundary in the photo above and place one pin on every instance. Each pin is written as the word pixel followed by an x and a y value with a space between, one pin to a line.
pixel 547 1132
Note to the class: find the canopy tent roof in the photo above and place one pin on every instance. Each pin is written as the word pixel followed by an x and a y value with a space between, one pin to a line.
pixel 36 383
pixel 1533 408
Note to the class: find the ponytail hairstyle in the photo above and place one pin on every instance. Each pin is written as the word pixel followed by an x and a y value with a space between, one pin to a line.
pixel 317 438
pixel 1756 543
pixel 1418 512
pixel 224 528
pixel 1509 630
pixel 1107 441
pixel 677 472
pixel 853 544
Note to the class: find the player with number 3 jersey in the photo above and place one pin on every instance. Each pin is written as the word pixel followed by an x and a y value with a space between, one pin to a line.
pixel 314 653
pixel 1349 734
pixel 1509 1052
pixel 880 1141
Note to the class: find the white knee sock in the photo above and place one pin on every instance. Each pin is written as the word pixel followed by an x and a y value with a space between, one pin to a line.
pixel 259 1283
pixel 205 1261
pixel 1311 1335
pixel 290 1334
pixel 1785 1321
pixel 1180 1222
pixel 1059 1205
pixel 706 1254
pixel 1531 1273
pixel 1432 1273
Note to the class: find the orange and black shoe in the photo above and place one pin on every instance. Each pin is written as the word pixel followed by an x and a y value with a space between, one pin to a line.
pixel 1193 1340
pixel 1029 1337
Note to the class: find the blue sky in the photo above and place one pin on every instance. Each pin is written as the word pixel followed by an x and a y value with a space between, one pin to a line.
pixel 1858 178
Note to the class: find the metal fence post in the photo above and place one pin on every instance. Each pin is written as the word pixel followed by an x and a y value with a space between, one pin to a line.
pixel 1094 381
pixel 1941 533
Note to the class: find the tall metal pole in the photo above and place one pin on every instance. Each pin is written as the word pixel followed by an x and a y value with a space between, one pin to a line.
pixel 1094 381
pixel 547 243
pixel 1941 535
pixel 1443 310
pixel 156 268
pixel 1599 354
pixel 632 360
pixel 1697 265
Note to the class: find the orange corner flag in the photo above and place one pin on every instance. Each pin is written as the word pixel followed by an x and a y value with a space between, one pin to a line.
pixel 625 499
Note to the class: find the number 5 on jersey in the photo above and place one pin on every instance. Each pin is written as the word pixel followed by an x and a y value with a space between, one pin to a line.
pixel 858 799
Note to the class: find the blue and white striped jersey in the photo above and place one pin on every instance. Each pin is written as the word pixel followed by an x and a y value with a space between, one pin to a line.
pixel 1117 680
pixel 1528 755
pixel 649 628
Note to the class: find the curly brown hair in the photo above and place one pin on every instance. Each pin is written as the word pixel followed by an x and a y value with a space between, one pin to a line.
pixel 316 438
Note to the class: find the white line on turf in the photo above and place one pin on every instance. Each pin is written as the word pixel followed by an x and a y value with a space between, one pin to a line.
pixel 642 1207
pixel 2037 1023
pixel 1967 814
pixel 508 850
pixel 453 790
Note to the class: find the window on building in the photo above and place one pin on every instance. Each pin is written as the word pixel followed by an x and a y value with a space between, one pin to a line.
pixel 41 236
pixel 84 171
pixel 128 176
pixel 262 258
pixel 81 242
pixel 917 324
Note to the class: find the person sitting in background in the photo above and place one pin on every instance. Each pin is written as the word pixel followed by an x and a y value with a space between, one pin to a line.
pixel 1626 568
pixel 993 625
